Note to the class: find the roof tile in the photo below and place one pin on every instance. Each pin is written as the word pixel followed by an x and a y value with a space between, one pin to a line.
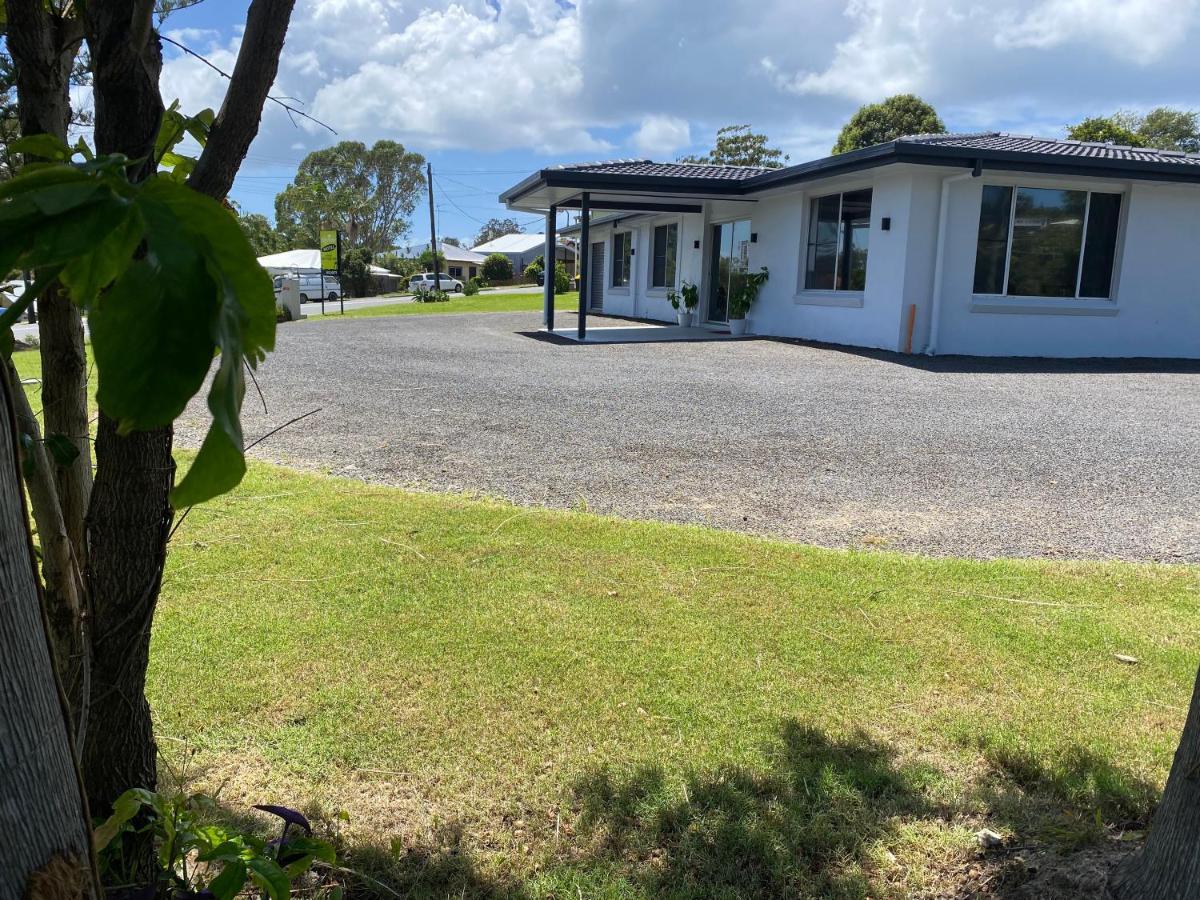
pixel 1014 143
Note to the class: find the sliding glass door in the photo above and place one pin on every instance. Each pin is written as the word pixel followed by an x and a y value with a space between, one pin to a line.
pixel 730 261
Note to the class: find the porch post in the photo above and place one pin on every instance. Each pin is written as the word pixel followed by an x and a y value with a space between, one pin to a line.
pixel 585 261
pixel 549 260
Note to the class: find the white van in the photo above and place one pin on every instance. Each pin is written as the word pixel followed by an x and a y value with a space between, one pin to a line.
pixel 310 286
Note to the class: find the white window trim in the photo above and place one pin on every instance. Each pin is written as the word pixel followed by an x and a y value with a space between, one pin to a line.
pixel 806 296
pixel 651 290
pixel 1067 306
pixel 622 290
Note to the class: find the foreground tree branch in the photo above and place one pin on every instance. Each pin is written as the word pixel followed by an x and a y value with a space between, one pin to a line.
pixel 236 125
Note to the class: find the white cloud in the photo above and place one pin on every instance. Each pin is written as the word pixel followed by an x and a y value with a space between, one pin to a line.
pixel 885 54
pixel 659 137
pixel 1140 31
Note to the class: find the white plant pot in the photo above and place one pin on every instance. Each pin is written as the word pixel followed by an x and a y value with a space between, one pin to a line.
pixel 683 318
pixel 737 326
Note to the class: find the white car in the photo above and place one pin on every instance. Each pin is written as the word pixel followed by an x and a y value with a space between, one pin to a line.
pixel 424 282
pixel 10 293
pixel 311 286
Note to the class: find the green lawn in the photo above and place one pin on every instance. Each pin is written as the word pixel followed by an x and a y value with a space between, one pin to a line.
pixel 525 702
pixel 456 304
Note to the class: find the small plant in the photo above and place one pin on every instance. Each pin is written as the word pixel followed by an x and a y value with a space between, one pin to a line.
pixel 691 295
pixel 746 293
pixel 195 857
pixel 673 298
pixel 431 295
pixel 471 288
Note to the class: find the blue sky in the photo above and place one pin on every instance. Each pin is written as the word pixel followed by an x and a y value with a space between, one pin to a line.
pixel 489 90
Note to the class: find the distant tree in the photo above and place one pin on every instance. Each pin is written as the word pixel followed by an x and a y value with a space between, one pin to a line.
pixel 261 234
pixel 878 123
pixel 497 267
pixel 356 267
pixel 1171 129
pixel 495 228
pixel 737 145
pixel 368 194
pixel 1163 128
pixel 425 261
pixel 452 241
pixel 1104 130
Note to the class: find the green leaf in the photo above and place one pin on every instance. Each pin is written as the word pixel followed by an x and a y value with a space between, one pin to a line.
pixel 151 337
pixel 44 145
pixel 125 808
pixel 60 239
pixel 268 876
pixel 230 882
pixel 221 463
pixel 62 448
pixel 86 276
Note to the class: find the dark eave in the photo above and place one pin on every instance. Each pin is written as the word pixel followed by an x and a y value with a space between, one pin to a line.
pixel 912 151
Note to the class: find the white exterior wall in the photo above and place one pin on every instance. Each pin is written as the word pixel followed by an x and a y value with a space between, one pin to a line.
pixel 1155 310
pixel 1155 307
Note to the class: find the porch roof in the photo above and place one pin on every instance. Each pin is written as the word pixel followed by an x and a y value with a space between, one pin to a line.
pixel 644 184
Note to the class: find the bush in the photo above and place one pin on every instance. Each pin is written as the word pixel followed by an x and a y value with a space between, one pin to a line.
pixel 497 267
pixel 562 281
pixel 355 269
pixel 471 288
pixel 429 295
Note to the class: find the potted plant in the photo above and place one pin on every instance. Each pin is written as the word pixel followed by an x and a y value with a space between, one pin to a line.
pixel 691 299
pixel 683 315
pixel 742 298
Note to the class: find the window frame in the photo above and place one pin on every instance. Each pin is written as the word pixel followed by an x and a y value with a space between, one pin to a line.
pixel 988 301
pixel 627 239
pixel 651 287
pixel 835 296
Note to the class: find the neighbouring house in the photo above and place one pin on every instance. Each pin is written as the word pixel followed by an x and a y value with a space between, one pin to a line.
pixel 308 262
pixel 461 263
pixel 980 244
pixel 522 249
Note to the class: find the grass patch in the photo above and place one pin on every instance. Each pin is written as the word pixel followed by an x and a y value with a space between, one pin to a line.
pixel 539 703
pixel 456 304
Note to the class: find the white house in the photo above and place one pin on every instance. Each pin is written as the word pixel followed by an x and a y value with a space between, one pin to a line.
pixel 982 244
pixel 522 249
pixel 461 263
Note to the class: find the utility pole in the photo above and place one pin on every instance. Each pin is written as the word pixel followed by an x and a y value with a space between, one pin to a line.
pixel 433 247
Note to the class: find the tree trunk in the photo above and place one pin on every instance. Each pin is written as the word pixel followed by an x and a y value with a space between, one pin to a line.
pixel 130 512
pixel 128 525
pixel 1168 868
pixel 44 47
pixel 46 852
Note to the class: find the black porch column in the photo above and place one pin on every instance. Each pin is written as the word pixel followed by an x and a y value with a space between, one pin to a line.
pixel 549 260
pixel 585 261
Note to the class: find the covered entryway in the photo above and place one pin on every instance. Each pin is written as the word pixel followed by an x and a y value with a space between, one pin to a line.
pixel 596 281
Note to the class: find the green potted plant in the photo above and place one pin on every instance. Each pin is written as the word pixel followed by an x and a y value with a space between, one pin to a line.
pixel 683 315
pixel 743 297
pixel 691 299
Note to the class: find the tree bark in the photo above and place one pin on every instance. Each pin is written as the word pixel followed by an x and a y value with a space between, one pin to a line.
pixel 130 513
pixel 47 849
pixel 1168 867
pixel 236 124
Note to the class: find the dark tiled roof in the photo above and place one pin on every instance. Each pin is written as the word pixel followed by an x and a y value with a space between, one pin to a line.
pixel 996 141
pixel 665 170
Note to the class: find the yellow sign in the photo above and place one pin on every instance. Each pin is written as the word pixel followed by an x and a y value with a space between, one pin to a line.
pixel 329 254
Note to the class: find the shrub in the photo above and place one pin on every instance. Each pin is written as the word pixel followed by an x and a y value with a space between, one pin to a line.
pixel 497 267
pixel 562 281
pixel 429 295
pixel 355 268
pixel 470 289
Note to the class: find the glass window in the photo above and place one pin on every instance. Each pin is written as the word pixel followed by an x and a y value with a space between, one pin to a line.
pixel 622 256
pixel 838 238
pixel 1043 242
pixel 666 249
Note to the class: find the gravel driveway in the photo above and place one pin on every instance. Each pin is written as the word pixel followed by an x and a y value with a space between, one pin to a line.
pixel 949 456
